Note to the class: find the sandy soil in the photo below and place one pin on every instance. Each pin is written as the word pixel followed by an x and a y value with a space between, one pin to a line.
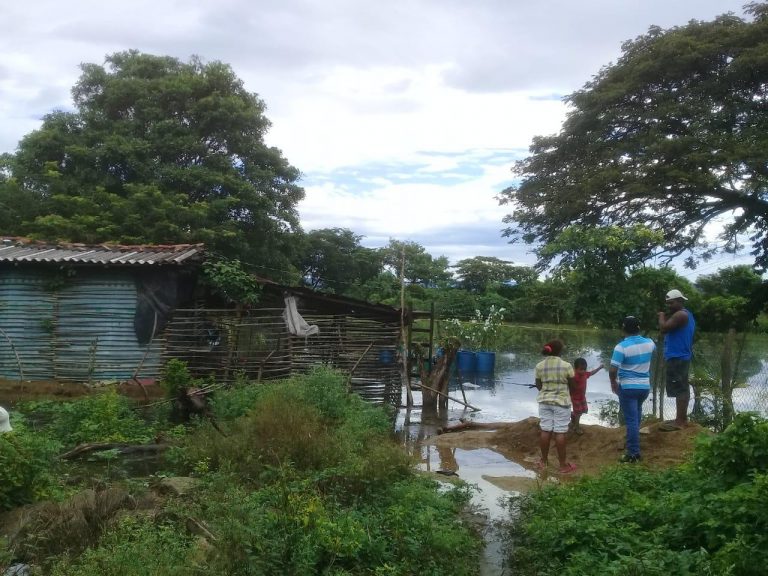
pixel 597 448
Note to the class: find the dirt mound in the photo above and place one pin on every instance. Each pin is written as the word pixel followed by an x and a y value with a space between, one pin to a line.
pixel 595 449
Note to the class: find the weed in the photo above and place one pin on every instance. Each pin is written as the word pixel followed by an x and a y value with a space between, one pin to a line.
pixel 706 517
pixel 27 466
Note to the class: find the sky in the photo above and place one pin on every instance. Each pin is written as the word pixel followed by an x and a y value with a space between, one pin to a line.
pixel 405 117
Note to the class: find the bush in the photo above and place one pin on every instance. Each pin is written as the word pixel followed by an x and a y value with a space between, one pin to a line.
pixel 136 546
pixel 311 423
pixel 707 517
pixel 291 527
pixel 27 466
pixel 102 417
pixel 737 454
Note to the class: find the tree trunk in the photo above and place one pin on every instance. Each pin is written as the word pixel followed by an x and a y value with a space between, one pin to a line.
pixel 438 377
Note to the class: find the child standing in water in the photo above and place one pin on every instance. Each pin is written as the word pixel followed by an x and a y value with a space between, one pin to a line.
pixel 579 392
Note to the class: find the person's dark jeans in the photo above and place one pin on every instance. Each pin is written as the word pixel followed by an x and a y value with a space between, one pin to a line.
pixel 631 402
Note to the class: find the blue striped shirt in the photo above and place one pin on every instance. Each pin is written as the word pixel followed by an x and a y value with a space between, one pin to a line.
pixel 632 356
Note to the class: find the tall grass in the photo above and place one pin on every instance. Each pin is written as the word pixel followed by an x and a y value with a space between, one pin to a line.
pixel 305 479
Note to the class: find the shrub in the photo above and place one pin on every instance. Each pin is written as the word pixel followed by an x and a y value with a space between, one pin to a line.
pixel 291 527
pixel 736 454
pixel 707 517
pixel 136 546
pixel 27 466
pixel 102 417
pixel 310 422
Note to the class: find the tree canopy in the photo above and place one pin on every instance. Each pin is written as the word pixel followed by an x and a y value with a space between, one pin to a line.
pixel 420 266
pixel 478 273
pixel 332 259
pixel 672 136
pixel 158 151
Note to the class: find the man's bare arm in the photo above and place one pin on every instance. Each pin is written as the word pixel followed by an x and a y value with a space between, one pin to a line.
pixel 677 320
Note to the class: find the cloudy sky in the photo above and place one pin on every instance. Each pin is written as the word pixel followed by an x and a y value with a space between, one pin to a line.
pixel 404 116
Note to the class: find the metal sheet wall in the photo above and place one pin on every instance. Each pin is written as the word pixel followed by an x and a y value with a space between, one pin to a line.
pixel 27 323
pixel 95 338
pixel 82 331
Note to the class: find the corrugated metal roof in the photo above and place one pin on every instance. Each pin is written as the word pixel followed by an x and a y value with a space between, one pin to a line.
pixel 13 250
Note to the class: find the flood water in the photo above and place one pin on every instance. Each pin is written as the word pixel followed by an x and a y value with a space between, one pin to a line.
pixel 504 396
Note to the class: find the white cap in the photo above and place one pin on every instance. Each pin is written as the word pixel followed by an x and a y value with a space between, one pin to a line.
pixel 5 421
pixel 675 294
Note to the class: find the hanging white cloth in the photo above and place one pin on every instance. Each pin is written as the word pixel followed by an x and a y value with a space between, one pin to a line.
pixel 293 320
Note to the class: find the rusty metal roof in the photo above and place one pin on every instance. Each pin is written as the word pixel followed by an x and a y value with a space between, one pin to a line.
pixel 18 251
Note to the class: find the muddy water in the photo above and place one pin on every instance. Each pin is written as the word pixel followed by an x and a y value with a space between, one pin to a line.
pixel 502 397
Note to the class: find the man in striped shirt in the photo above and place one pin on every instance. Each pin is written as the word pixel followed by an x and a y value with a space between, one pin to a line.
pixel 630 379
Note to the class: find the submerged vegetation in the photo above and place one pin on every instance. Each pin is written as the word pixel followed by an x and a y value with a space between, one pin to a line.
pixel 300 477
pixel 706 517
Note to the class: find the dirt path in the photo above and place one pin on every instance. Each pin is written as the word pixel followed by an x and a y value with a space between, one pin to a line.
pixel 597 448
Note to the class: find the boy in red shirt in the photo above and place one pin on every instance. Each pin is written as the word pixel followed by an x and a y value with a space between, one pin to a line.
pixel 579 392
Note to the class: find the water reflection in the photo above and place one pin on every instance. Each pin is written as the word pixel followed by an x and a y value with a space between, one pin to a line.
pixel 505 395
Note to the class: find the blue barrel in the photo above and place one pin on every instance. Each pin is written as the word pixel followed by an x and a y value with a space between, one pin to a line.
pixel 466 361
pixel 387 356
pixel 486 362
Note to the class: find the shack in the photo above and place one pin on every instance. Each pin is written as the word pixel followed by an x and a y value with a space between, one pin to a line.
pixel 90 314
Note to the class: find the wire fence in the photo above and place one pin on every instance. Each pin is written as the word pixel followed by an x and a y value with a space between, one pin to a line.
pixel 728 372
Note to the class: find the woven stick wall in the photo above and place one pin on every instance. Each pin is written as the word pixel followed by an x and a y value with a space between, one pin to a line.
pixel 226 344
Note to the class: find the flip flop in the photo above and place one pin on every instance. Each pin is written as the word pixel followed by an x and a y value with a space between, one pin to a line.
pixel 669 426
pixel 568 469
pixel 541 466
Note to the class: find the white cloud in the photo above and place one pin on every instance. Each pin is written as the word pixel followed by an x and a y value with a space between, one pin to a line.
pixel 427 90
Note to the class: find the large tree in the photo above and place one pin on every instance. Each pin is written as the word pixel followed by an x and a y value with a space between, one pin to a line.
pixel 420 266
pixel 332 259
pixel 595 263
pixel 672 136
pixel 160 151
pixel 480 272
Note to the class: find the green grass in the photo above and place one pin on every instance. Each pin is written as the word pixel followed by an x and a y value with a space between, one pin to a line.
pixel 706 517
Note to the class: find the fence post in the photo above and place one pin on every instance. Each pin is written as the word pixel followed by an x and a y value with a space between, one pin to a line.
pixel 726 377
pixel 659 377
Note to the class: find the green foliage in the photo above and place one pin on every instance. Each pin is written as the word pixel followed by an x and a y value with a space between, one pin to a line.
pixel 308 481
pixel 481 272
pixel 420 267
pixel 28 463
pixel 664 137
pixel 328 490
pixel 732 298
pixel 737 454
pixel 291 527
pixel 176 376
pixel 102 417
pixel 136 546
pixel 228 279
pixel 595 262
pixel 157 151
pixel 707 517
pixel 333 260
pixel 480 333
pixel 311 423
pixel 608 412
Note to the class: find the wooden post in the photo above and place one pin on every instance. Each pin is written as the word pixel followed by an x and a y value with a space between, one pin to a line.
pixel 351 372
pixel 406 377
pixel 726 377
pixel 661 377
pixel 262 363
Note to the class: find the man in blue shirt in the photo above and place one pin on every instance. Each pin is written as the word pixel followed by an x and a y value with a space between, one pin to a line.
pixel 678 329
pixel 630 379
